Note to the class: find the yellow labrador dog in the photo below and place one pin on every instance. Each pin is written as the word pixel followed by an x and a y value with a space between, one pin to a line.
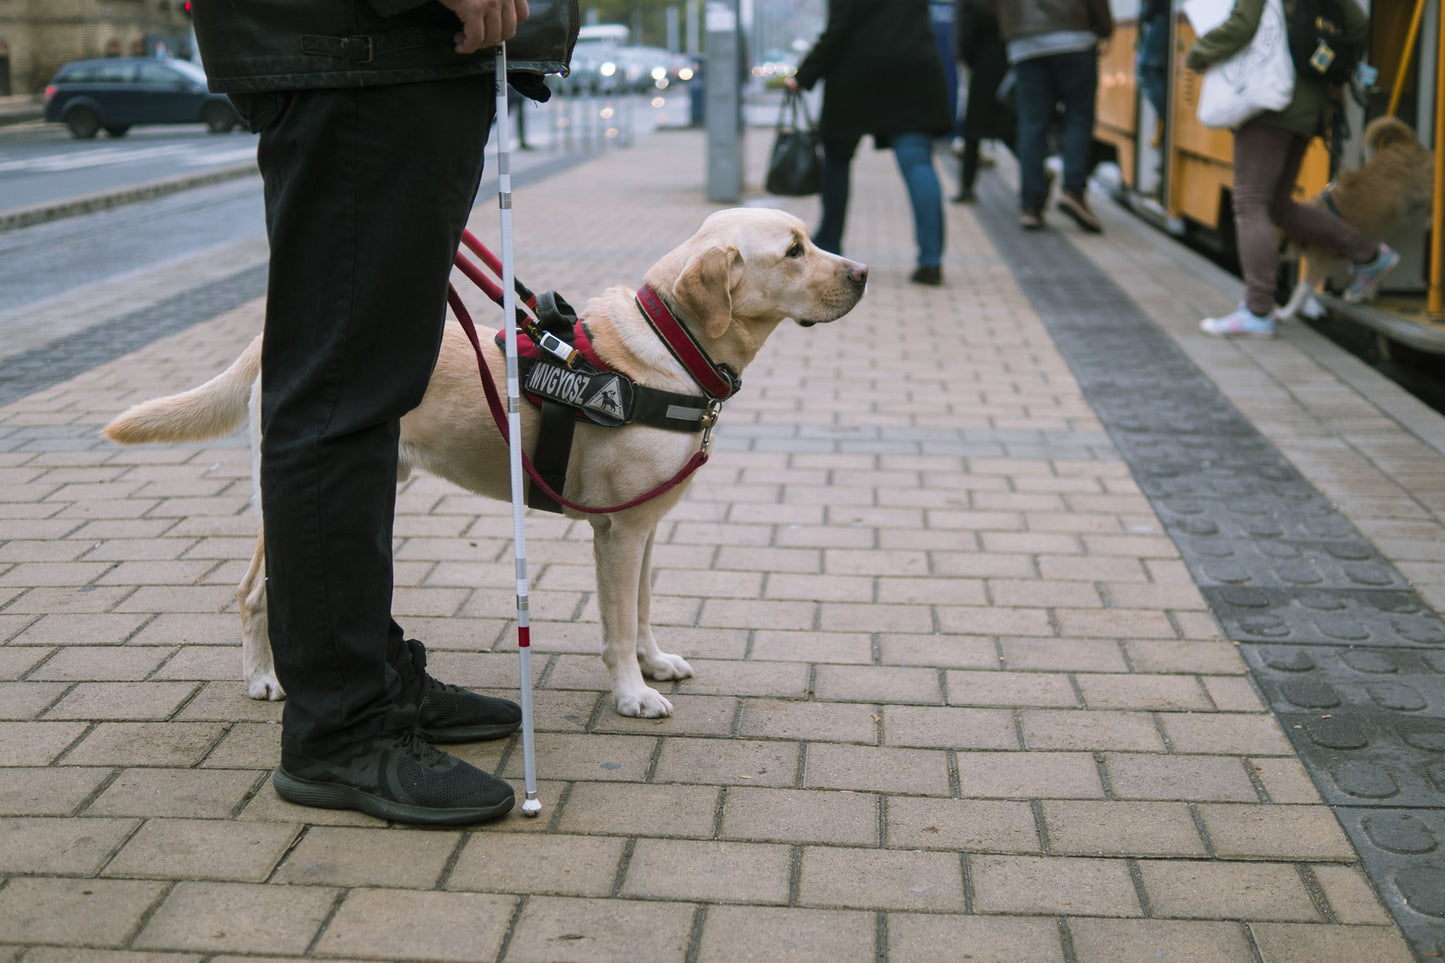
pixel 730 284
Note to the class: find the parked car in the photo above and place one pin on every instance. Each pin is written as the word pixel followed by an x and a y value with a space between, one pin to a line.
pixel 113 94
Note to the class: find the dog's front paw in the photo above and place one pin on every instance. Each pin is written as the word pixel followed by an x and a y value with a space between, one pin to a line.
pixel 644 702
pixel 265 686
pixel 665 667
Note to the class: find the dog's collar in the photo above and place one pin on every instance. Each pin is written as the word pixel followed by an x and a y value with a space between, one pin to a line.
pixel 1327 200
pixel 717 380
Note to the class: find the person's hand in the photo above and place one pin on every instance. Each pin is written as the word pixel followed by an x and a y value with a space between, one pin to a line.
pixel 791 83
pixel 486 23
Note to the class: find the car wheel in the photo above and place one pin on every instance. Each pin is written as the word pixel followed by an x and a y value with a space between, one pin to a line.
pixel 219 118
pixel 117 130
pixel 83 123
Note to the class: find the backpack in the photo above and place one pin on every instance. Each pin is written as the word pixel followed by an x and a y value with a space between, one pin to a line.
pixel 1316 45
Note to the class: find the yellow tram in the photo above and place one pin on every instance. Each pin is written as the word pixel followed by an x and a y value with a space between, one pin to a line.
pixel 1177 172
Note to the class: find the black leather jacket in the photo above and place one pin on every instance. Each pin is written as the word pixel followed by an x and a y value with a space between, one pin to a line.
pixel 255 45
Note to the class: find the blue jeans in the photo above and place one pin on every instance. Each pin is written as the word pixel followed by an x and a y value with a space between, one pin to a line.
pixel 914 153
pixel 1044 83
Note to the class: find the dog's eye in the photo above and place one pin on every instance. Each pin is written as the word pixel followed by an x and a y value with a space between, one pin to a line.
pixel 796 250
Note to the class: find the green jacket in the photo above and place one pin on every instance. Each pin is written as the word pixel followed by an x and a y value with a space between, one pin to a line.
pixel 1309 111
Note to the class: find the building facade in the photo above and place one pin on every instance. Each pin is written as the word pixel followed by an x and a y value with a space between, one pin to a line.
pixel 37 36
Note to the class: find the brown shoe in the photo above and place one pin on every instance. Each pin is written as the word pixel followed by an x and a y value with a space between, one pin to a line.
pixel 1032 219
pixel 1077 208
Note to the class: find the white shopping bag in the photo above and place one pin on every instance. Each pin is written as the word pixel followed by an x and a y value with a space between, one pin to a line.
pixel 1258 78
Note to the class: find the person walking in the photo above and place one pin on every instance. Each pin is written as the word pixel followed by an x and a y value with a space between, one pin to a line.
pixel 1053 49
pixel 373 118
pixel 979 47
pixel 1268 151
pixel 882 76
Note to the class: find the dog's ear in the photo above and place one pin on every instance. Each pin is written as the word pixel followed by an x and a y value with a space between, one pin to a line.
pixel 704 289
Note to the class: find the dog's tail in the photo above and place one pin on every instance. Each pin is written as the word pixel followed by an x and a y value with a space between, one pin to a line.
pixel 215 408
pixel 1384 131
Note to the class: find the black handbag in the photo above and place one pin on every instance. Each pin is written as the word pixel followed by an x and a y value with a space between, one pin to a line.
pixel 796 166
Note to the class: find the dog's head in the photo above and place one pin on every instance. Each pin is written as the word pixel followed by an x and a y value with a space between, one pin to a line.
pixel 747 269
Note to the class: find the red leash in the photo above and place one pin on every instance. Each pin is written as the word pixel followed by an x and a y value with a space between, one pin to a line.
pixel 494 402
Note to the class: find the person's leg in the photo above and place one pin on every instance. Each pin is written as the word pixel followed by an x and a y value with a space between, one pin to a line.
pixel 968 169
pixel 1262 168
pixel 1076 82
pixel 1033 93
pixel 837 166
pixel 367 193
pixel 914 153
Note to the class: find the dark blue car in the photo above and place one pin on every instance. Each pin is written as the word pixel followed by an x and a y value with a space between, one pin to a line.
pixel 116 93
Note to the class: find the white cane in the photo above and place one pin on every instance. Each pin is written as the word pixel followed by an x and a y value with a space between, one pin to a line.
pixel 531 805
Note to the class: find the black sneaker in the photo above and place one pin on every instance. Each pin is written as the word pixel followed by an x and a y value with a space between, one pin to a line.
pixel 450 713
pixel 929 274
pixel 395 776
pixel 1077 208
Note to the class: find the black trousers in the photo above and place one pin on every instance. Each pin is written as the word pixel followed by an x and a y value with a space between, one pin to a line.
pixel 367 194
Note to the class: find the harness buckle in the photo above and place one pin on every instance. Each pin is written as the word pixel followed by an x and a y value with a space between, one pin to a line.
pixel 708 420
pixel 358 49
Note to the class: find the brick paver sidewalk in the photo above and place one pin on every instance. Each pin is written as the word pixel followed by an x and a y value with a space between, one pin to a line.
pixel 956 696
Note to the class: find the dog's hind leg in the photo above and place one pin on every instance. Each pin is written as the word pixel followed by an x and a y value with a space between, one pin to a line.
pixel 655 663
pixel 620 550
pixel 257 666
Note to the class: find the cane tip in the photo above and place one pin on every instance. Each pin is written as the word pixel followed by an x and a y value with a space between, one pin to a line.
pixel 531 807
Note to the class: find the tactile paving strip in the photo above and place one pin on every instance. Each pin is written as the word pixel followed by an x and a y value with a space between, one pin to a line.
pixel 1350 658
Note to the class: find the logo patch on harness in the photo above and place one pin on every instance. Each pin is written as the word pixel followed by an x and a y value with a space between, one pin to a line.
pixel 602 397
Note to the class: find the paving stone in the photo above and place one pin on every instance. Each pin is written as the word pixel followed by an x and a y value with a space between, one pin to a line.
pixel 550 927
pixel 800 816
pixel 1138 941
pixel 1005 775
pixel 1052 885
pixel 1205 778
pixel 1096 729
pixel 873 684
pixel 203 849
pixel 931 727
pixel 1227 890
pixel 1303 833
pixel 766 932
pixel 740 762
pixel 1096 828
pixel 821 721
pixel 881 879
pixel 1287 941
pixel 211 794
pixel 36 743
pixel 237 917
pixel 961 825
pixel 418 925
pixel 48 791
pixel 640 810
pixel 88 912
pixel 872 769
pixel 717 872
pixel 35 846
pixel 138 701
pixel 551 864
pixel 989 939
pixel 146 744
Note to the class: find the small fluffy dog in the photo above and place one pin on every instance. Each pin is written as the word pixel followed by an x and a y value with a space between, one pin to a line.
pixel 1392 190
pixel 730 285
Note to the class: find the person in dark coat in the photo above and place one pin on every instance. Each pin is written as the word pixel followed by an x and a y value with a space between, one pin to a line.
pixel 979 46
pixel 373 118
pixel 883 76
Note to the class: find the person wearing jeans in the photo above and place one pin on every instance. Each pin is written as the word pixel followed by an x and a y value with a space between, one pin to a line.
pixel 1268 151
pixel 883 76
pixel 1053 48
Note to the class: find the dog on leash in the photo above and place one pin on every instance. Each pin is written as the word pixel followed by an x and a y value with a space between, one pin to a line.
pixel 1391 191
pixel 730 285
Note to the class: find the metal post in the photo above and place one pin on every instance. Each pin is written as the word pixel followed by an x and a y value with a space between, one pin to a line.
pixel 724 85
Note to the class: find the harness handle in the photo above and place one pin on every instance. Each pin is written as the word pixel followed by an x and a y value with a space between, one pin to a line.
pixel 494 404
